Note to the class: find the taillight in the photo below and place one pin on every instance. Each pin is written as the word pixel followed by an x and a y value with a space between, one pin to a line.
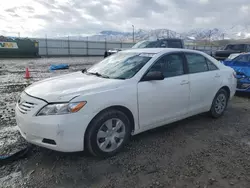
pixel 234 74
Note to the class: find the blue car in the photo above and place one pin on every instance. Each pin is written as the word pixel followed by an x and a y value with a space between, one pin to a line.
pixel 241 65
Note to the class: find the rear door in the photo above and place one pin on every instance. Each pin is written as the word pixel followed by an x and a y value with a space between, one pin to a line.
pixel 205 80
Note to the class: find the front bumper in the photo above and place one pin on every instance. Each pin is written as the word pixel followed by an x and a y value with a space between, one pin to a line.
pixel 243 86
pixel 243 90
pixel 57 132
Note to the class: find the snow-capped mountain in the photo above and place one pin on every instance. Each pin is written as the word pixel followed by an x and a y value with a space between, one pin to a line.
pixel 236 32
pixel 204 34
pixel 194 34
pixel 128 36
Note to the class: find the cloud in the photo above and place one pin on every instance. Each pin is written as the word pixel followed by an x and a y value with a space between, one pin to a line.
pixel 23 8
pixel 11 10
pixel 68 17
pixel 144 8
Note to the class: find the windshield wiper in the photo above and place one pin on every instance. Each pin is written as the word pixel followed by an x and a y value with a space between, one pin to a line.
pixel 120 78
pixel 100 75
pixel 97 74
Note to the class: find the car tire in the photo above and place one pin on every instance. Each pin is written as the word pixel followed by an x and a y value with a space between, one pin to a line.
pixel 219 104
pixel 104 137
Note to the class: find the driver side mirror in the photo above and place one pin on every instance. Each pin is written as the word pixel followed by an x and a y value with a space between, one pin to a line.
pixel 153 75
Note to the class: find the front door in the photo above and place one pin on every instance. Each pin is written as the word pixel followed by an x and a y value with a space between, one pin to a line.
pixel 161 101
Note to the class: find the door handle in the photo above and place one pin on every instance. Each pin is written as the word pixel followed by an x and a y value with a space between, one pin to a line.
pixel 183 82
pixel 217 76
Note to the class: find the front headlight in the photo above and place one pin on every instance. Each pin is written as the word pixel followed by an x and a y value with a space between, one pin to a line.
pixel 58 109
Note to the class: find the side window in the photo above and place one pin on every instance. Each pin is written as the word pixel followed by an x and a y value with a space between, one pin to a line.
pixel 196 63
pixel 211 65
pixel 164 44
pixel 170 65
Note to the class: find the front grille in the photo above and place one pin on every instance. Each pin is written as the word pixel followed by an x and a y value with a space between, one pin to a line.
pixel 242 85
pixel 24 106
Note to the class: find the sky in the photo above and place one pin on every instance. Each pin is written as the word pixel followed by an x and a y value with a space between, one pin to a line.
pixel 79 17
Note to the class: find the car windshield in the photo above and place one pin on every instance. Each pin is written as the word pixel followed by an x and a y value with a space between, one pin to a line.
pixel 141 44
pixel 232 56
pixel 122 65
pixel 235 47
pixel 245 58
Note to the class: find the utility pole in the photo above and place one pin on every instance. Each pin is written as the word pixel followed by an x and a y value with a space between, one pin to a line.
pixel 223 36
pixel 210 34
pixel 168 33
pixel 46 42
pixel 133 33
pixel 68 46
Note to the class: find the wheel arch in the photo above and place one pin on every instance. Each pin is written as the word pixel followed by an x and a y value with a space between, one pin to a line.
pixel 123 109
pixel 226 88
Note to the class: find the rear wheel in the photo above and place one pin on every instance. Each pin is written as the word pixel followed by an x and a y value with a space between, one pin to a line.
pixel 219 104
pixel 108 133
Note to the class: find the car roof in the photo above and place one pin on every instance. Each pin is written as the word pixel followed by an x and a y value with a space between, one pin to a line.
pixel 170 39
pixel 238 43
pixel 155 40
pixel 160 50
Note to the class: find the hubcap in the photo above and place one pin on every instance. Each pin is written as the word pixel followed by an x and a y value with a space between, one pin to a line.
pixel 111 135
pixel 220 103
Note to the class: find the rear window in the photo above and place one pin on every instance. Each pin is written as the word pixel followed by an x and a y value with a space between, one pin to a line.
pixel 235 47
pixel 174 44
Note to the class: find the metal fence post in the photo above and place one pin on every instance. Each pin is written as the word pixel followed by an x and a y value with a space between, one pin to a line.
pixel 105 44
pixel 46 45
pixel 87 46
pixel 68 47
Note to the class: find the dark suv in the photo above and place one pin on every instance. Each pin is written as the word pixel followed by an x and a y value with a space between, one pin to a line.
pixel 160 43
pixel 230 49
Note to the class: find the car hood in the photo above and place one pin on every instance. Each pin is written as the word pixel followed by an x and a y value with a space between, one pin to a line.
pixel 117 49
pixel 66 87
pixel 226 52
pixel 241 68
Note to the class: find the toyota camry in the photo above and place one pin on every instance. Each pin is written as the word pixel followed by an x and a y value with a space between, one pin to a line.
pixel 132 91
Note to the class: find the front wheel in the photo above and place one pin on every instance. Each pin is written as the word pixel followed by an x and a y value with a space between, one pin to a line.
pixel 219 104
pixel 108 133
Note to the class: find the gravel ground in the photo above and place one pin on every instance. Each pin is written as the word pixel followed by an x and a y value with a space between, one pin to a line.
pixel 196 152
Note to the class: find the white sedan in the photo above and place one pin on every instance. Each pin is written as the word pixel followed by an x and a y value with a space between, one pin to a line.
pixel 125 94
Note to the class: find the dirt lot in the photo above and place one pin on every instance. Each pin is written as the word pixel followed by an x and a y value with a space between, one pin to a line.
pixel 197 152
